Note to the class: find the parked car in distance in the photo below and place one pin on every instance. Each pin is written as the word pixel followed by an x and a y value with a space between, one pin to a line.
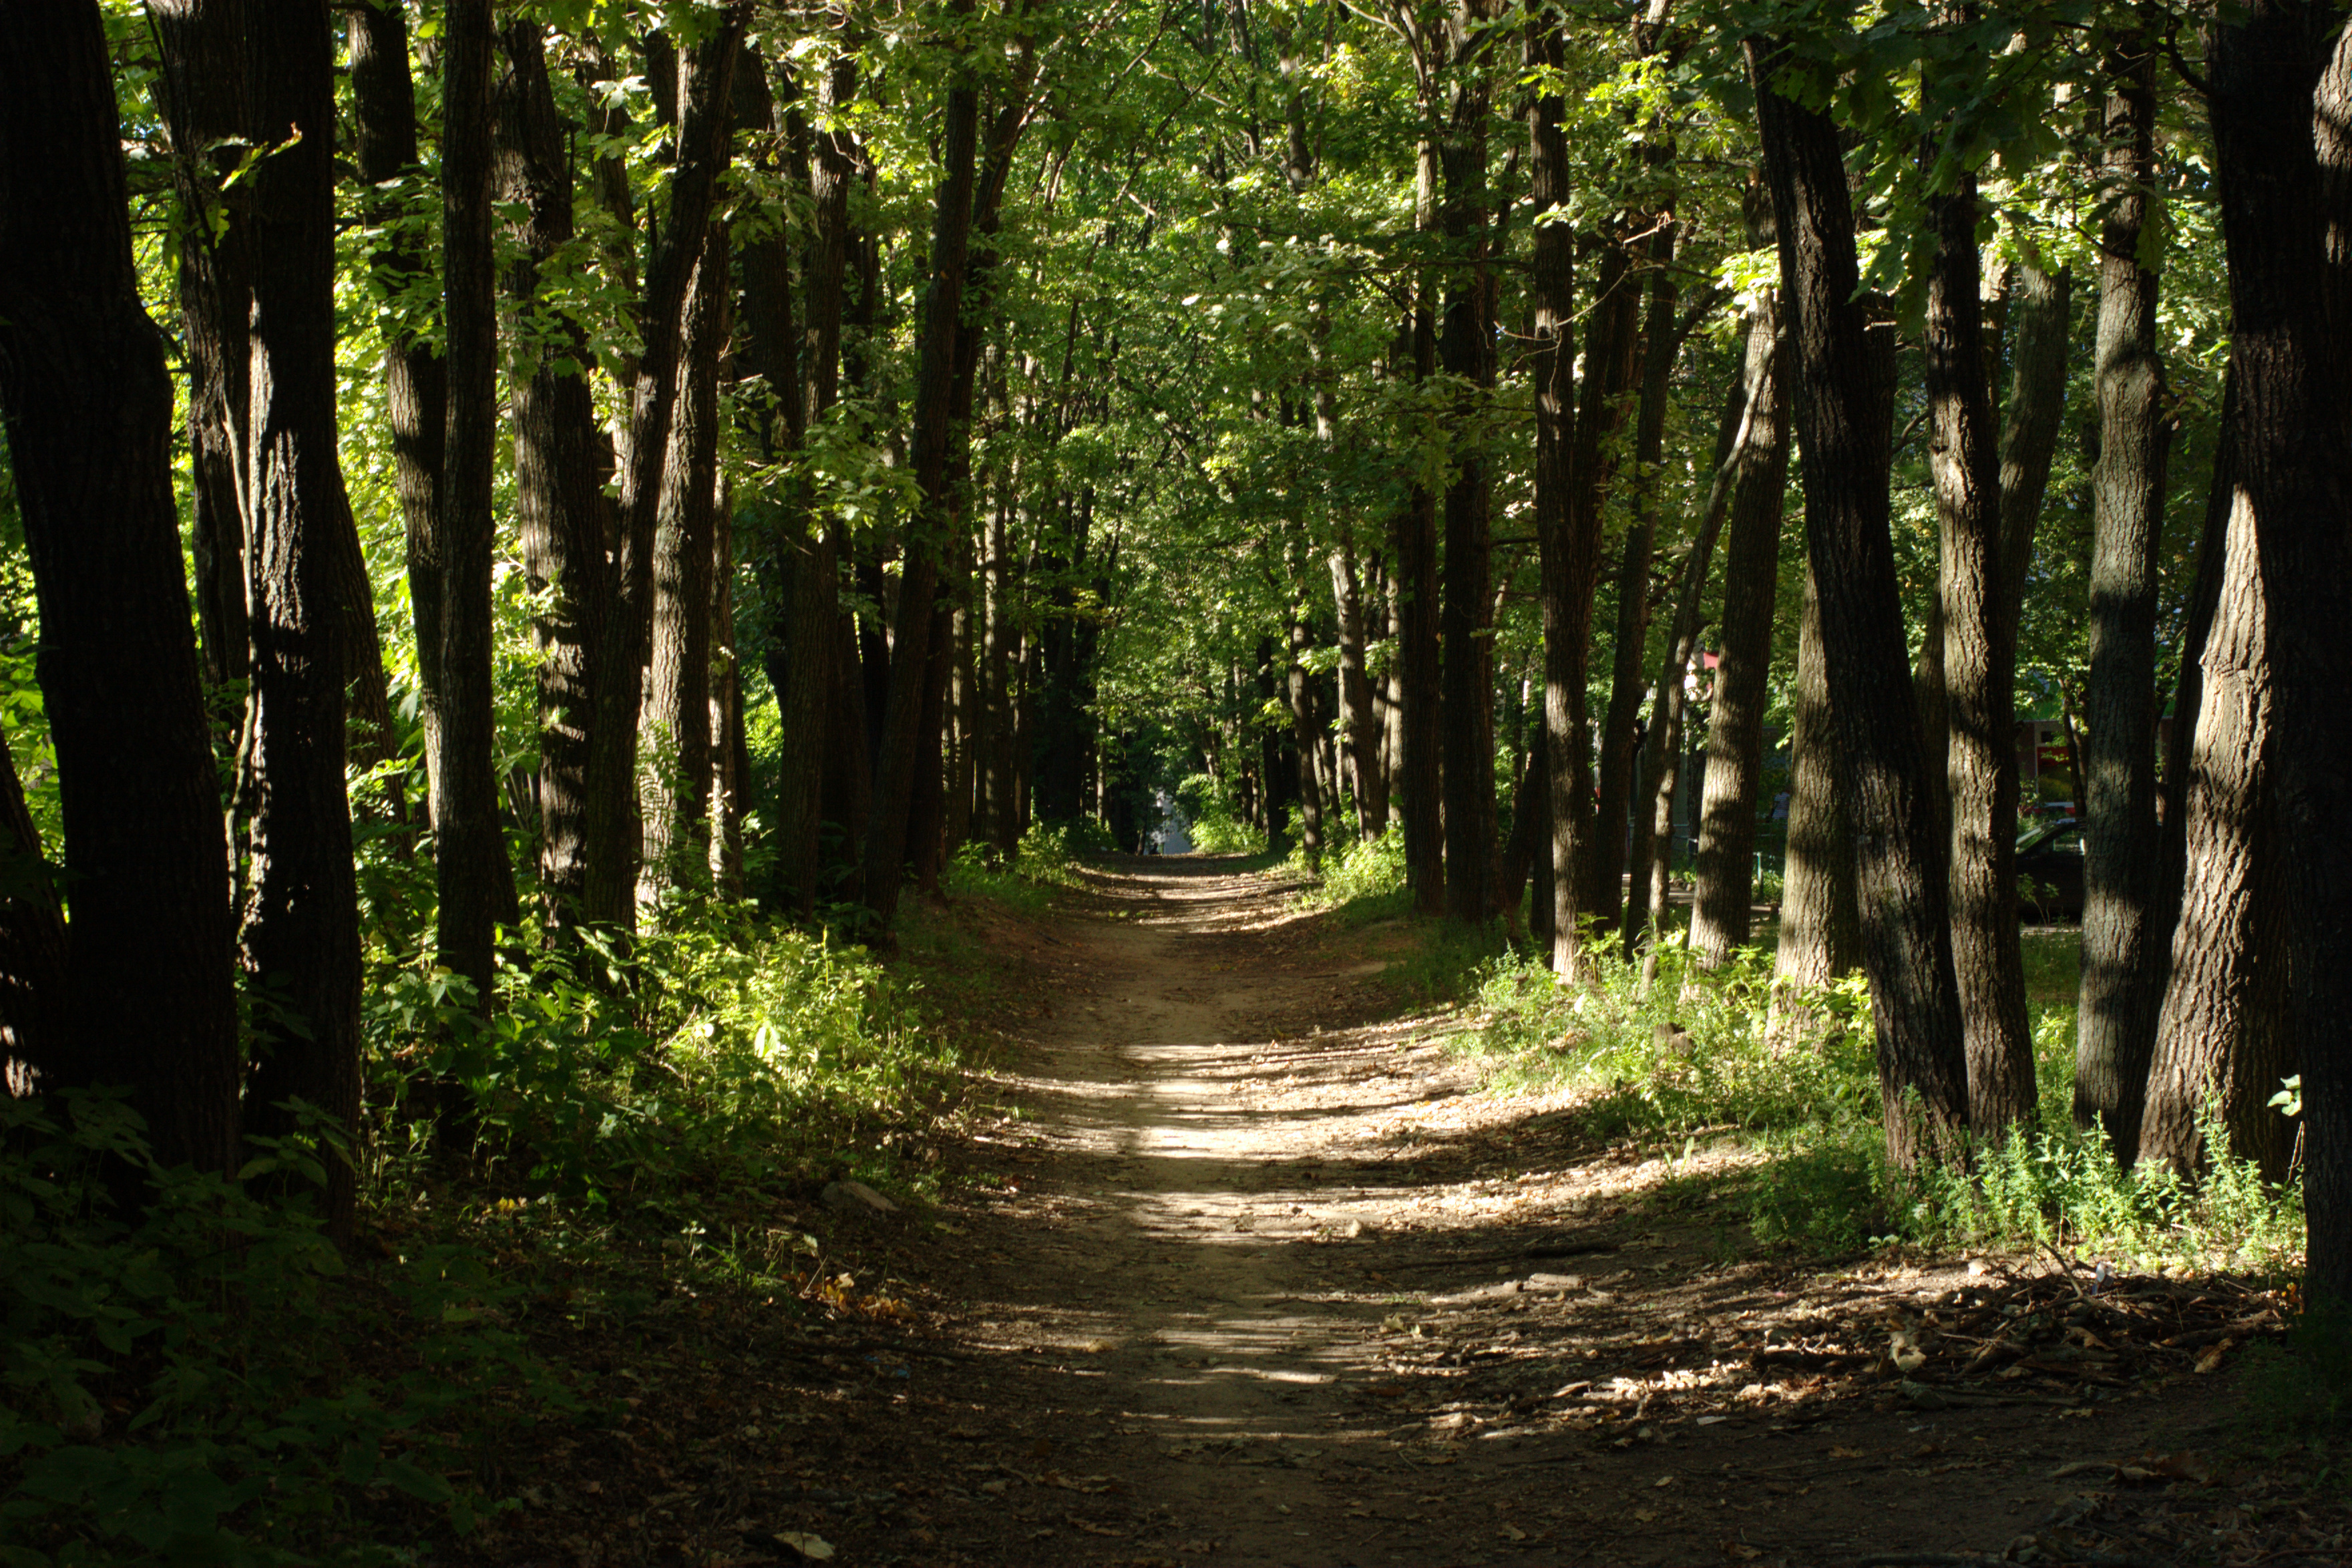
pixel 2050 868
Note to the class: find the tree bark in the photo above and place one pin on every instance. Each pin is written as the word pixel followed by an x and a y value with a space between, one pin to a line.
pixel 1300 691
pixel 2255 944
pixel 1465 350
pixel 2124 944
pixel 1980 668
pixel 1420 698
pixel 704 97
pixel 1843 418
pixel 1821 923
pixel 2307 564
pixel 384 102
pixel 1752 579
pixel 300 933
pixel 1603 408
pixel 1654 800
pixel 2040 330
pixel 467 843
pixel 1564 565
pixel 559 501
pixel 147 999
pixel 675 793
pixel 898 753
pixel 202 89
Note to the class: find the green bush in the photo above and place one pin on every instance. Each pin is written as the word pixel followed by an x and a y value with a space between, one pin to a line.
pixel 183 1386
pixel 1695 1049
pixel 1215 819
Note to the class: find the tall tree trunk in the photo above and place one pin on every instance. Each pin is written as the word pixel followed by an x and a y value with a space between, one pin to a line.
pixel 1465 349
pixel 384 102
pixel 898 752
pixel 1564 566
pixel 2306 561
pixel 1653 825
pixel 148 1000
pixel 1821 923
pixel 675 793
pixel 705 75
pixel 804 381
pixel 1360 720
pixel 300 932
pixel 2124 947
pixel 730 762
pixel 2235 1016
pixel 2041 331
pixel 1980 669
pixel 468 844
pixel 1301 692
pixel 1421 749
pixel 1602 410
pixel 1000 816
pixel 203 91
pixel 1842 407
pixel 559 501
pixel 1751 580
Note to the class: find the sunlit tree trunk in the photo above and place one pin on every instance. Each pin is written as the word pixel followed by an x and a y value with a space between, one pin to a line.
pixel 1843 408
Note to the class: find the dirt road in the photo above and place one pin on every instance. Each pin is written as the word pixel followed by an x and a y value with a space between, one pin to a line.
pixel 1259 1278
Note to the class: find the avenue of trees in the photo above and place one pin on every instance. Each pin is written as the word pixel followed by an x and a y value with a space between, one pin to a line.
pixel 621 456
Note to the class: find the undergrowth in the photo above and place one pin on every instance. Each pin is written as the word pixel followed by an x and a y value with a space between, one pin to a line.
pixel 205 1378
pixel 1697 1051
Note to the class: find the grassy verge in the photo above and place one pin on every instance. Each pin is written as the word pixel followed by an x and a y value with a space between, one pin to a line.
pixel 619 1154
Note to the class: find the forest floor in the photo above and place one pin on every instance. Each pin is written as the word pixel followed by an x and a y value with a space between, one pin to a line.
pixel 1249 1271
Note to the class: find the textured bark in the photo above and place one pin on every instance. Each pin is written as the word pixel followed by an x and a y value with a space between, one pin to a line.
pixel 803 382
pixel 1653 799
pixel 1360 718
pixel 384 102
pixel 467 846
pixel 674 792
pixel 1627 679
pixel 148 1000
pixel 2040 330
pixel 898 751
pixel 705 87
pixel 1843 407
pixel 2307 563
pixel 1000 814
pixel 1564 564
pixel 1751 580
pixel 1821 923
pixel 1465 350
pixel 1980 669
pixel 1299 688
pixel 2124 944
pixel 202 90
pixel 1420 700
pixel 558 502
pixel 731 768
pixel 2256 957
pixel 300 932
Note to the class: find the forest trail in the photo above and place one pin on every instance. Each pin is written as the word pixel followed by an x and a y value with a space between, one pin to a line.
pixel 1255 1276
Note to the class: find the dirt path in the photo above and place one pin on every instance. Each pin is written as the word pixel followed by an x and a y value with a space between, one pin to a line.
pixel 1261 1278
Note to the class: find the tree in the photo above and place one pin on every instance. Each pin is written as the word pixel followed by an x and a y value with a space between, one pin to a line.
pixel 2124 944
pixel 147 998
pixel 1751 577
pixel 1980 660
pixel 1843 422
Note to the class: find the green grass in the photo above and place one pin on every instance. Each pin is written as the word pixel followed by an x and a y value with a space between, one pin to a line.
pixel 1702 1050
